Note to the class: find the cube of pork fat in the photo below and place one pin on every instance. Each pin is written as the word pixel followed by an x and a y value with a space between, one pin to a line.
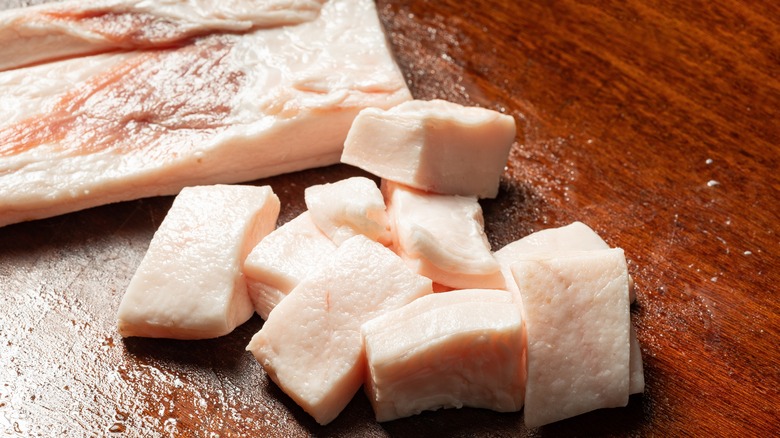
pixel 437 146
pixel 311 344
pixel 453 349
pixel 189 284
pixel 442 237
pixel 349 207
pixel 282 259
pixel 577 322
pixel 559 242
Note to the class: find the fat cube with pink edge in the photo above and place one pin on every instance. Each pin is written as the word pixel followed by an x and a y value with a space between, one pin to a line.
pixel 349 207
pixel 442 237
pixel 560 241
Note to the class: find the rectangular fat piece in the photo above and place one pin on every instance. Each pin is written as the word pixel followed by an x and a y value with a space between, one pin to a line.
pixel 189 284
pixel 442 237
pixel 560 242
pixel 348 207
pixel 578 328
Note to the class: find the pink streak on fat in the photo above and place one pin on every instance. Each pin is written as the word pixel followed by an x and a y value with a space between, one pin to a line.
pixel 126 29
pixel 156 102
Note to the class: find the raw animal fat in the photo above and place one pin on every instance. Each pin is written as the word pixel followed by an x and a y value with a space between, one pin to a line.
pixel 577 322
pixel 349 207
pixel 283 259
pixel 189 284
pixel 442 237
pixel 223 109
pixel 564 241
pixel 436 146
pixel 311 344
pixel 452 349
pixel 636 382
pixel 71 28
pixel 573 237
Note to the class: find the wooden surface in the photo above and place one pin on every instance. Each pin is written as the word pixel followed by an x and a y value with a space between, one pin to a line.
pixel 654 122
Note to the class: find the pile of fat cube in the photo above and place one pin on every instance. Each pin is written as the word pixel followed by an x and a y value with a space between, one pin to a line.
pixel 395 287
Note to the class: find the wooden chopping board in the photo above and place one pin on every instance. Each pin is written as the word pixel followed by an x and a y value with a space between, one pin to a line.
pixel 653 122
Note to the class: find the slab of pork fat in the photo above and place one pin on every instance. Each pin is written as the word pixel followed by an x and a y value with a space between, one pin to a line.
pixel 223 108
pixel 58 30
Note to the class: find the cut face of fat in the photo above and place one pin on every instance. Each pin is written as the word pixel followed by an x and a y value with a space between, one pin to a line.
pixel 442 237
pixel 223 108
pixel 283 259
pixel 578 328
pixel 311 344
pixel 189 284
pixel 446 350
pixel 347 208
pixel 436 146
pixel 562 242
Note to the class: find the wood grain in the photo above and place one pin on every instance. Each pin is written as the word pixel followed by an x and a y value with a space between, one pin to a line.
pixel 655 122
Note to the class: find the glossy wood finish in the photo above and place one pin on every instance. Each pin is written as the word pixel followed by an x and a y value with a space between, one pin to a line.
pixel 654 122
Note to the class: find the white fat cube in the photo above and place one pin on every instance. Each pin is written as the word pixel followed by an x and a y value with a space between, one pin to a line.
pixel 437 146
pixel 190 284
pixel 347 208
pixel 578 327
pixel 553 242
pixel 311 344
pixel 442 237
pixel 283 259
pixel 446 350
